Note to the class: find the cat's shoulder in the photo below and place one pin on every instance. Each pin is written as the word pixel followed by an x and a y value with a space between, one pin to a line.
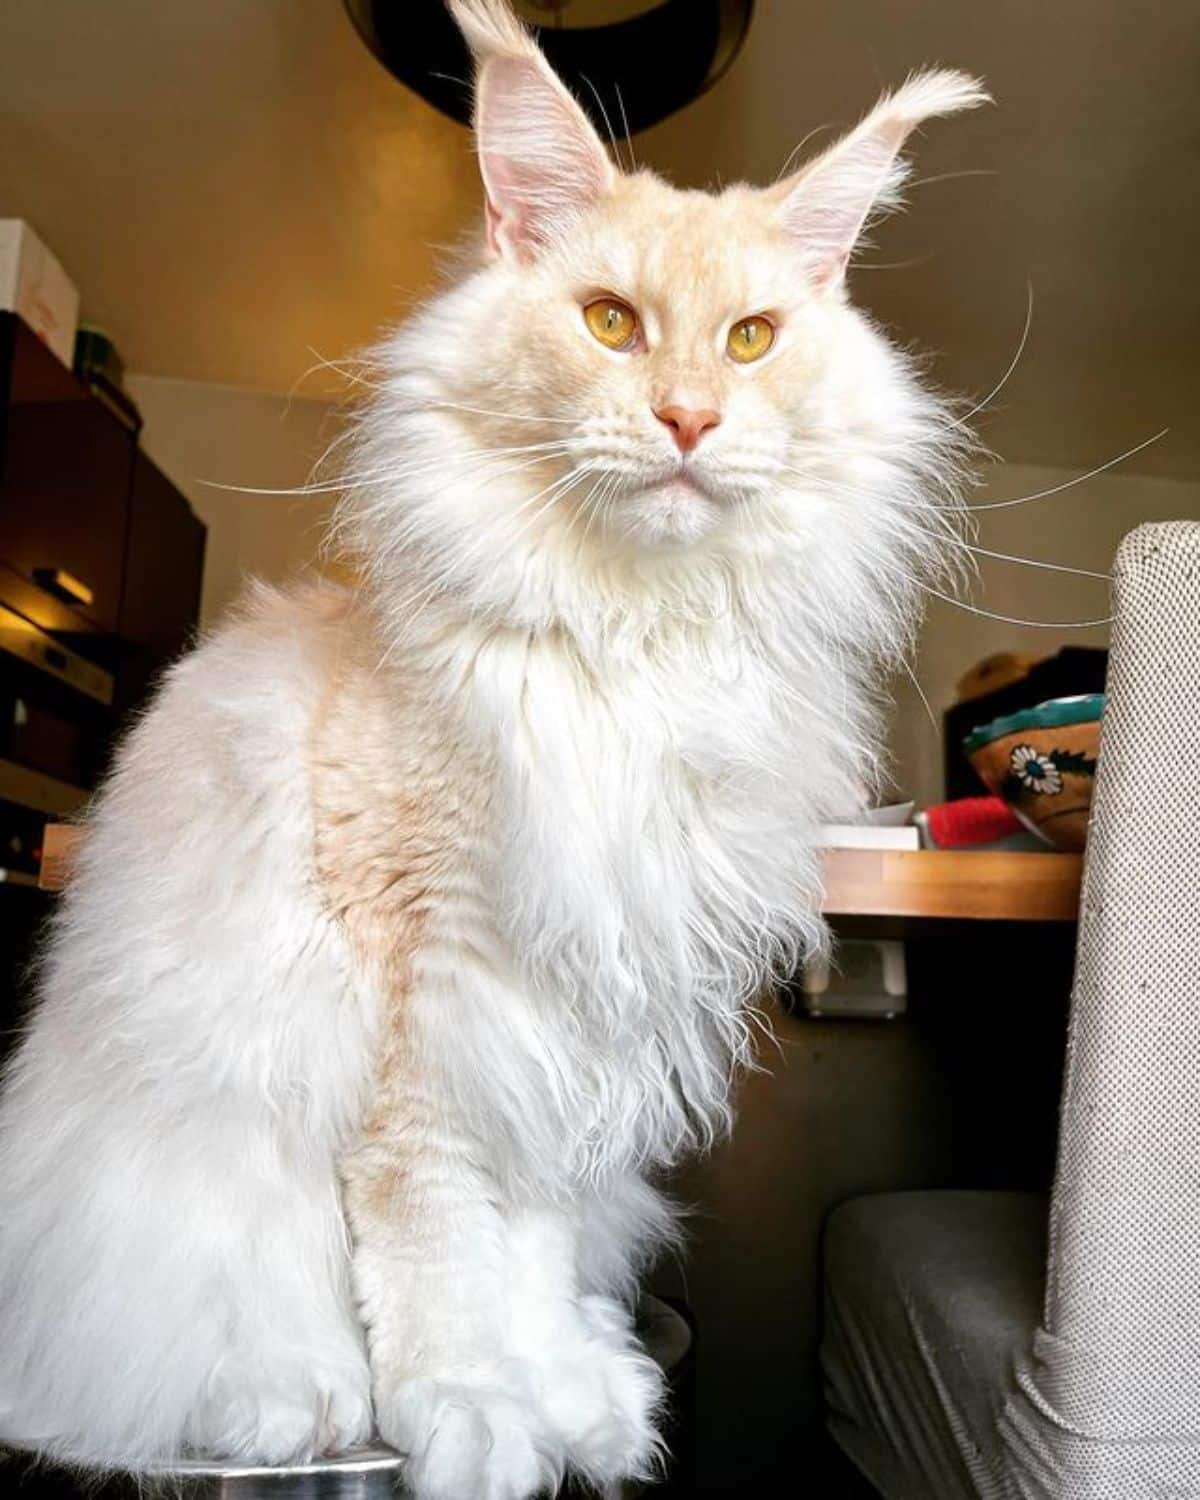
pixel 308 609
pixel 265 668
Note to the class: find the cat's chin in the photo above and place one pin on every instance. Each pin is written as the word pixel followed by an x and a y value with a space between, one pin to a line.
pixel 672 514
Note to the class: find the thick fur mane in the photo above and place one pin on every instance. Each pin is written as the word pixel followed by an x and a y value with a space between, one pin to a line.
pixel 664 732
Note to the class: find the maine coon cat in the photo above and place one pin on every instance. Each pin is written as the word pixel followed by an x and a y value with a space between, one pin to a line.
pixel 414 933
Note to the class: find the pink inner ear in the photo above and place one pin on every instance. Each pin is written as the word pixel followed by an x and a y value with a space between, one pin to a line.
pixel 828 202
pixel 492 226
pixel 541 161
pixel 832 199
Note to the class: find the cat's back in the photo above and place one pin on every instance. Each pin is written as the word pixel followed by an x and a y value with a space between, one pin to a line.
pixel 193 888
pixel 234 716
pixel 259 677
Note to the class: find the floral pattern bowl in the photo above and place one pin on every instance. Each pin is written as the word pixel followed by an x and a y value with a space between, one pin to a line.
pixel 1042 761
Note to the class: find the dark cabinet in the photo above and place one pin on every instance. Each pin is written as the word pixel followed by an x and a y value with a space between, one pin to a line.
pixel 101 556
pixel 100 567
pixel 164 560
pixel 65 468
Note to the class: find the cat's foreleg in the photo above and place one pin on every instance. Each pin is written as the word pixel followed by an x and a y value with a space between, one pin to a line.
pixel 431 1272
pixel 598 1389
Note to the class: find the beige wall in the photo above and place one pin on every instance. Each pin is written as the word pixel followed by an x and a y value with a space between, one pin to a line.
pixel 208 435
pixel 204 433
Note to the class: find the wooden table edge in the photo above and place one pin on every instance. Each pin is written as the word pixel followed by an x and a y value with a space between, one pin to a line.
pixel 953 884
pixel 989 885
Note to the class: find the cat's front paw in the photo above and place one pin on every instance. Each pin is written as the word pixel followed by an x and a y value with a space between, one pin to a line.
pixel 281 1418
pixel 603 1395
pixel 469 1439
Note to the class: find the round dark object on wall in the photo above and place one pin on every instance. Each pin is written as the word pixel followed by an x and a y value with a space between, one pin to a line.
pixel 637 70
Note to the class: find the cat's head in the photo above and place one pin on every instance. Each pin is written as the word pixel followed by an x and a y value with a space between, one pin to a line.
pixel 632 370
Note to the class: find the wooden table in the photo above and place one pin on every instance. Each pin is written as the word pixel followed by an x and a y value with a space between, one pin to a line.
pixel 952 884
pixel 946 884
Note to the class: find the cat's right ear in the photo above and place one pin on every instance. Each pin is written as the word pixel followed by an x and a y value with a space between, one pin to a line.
pixel 827 203
pixel 541 161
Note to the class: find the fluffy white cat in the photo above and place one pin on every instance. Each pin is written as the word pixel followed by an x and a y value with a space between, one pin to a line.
pixel 415 930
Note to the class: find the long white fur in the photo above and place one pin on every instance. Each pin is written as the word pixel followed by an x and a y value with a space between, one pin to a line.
pixel 634 717
pixel 173 1264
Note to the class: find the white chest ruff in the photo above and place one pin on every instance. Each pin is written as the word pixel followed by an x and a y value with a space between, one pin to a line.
pixel 653 866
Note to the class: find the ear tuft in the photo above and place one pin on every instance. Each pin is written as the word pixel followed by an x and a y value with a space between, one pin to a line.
pixel 541 161
pixel 827 202
pixel 490 29
pixel 931 92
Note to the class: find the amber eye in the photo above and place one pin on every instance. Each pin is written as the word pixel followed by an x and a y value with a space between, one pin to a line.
pixel 614 323
pixel 750 339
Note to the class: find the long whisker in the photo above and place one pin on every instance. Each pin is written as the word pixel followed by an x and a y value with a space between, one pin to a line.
pixel 366 477
pixel 597 502
pixel 1012 365
pixel 921 694
pixel 612 135
pixel 1057 489
pixel 989 614
pixel 893 265
pixel 339 367
pixel 590 509
pixel 633 163
pixel 557 492
pixel 1027 562
pixel 796 150
pixel 583 508
pixel 1009 557
pixel 946 537
pixel 480 411
pixel 943 512
pixel 951 176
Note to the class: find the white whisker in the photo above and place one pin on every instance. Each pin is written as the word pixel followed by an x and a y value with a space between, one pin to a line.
pixel 950 177
pixel 1009 557
pixel 990 614
pixel 893 265
pixel 612 135
pixel 929 714
pixel 1016 359
pixel 365 478
pixel 339 367
pixel 480 411
pixel 1067 484
pixel 625 122
pixel 789 160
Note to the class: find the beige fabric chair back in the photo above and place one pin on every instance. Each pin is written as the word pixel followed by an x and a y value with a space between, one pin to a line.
pixel 1108 1406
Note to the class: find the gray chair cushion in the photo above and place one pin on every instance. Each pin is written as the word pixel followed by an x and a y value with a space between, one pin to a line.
pixel 930 1299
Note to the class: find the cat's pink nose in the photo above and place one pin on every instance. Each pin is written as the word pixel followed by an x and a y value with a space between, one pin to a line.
pixel 687 425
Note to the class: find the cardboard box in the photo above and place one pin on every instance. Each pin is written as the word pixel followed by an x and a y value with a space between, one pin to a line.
pixel 37 289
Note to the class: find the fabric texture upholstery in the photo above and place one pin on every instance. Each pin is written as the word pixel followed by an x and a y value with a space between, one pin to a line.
pixel 930 1298
pixel 1102 1400
pixel 1108 1406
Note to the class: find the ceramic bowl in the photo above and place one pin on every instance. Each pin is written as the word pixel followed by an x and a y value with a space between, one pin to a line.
pixel 1042 761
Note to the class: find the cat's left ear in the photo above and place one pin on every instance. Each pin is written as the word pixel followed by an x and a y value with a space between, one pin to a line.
pixel 541 161
pixel 827 202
